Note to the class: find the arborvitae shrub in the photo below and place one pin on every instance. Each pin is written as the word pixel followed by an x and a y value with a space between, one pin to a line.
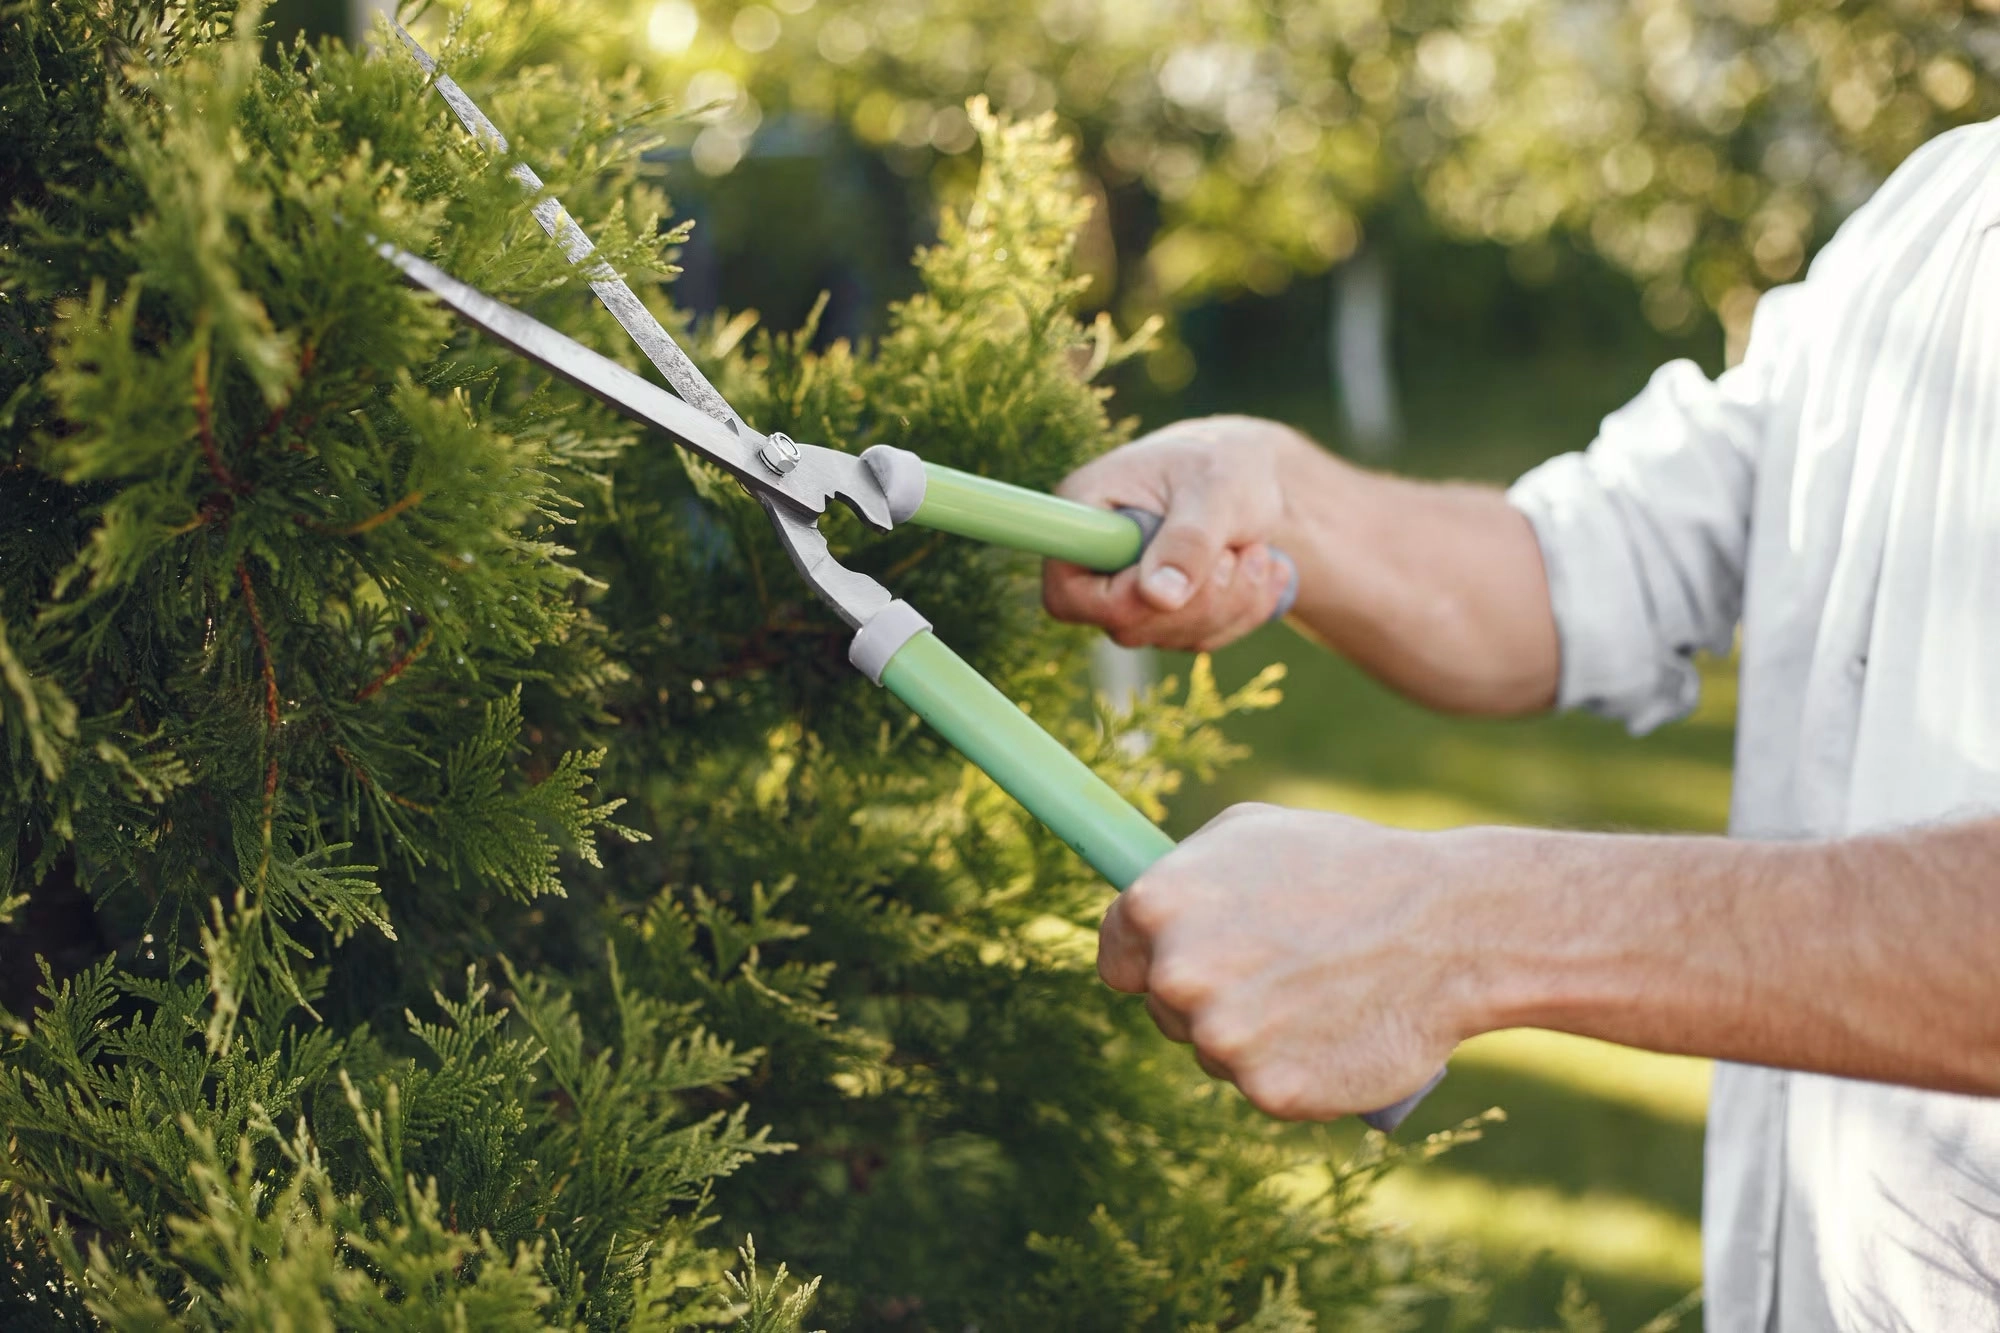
pixel 452 876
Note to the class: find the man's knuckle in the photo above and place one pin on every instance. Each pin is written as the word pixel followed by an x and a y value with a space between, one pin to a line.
pixel 1223 1040
pixel 1145 906
pixel 1125 976
pixel 1087 484
pixel 1193 546
pixel 1203 462
pixel 1115 957
pixel 1244 810
pixel 1180 985
pixel 1169 1022
pixel 1276 1090
pixel 1211 1067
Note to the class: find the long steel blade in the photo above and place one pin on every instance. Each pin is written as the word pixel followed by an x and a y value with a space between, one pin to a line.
pixel 819 476
pixel 727 443
pixel 631 314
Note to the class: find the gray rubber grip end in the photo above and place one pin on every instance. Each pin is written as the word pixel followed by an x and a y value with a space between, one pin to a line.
pixel 883 637
pixel 901 476
pixel 1389 1117
pixel 1148 521
pixel 1290 596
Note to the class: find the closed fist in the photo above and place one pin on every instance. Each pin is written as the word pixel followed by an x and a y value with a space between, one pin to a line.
pixel 1208 577
pixel 1309 958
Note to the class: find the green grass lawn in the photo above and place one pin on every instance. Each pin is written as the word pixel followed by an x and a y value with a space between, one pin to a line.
pixel 1597 1170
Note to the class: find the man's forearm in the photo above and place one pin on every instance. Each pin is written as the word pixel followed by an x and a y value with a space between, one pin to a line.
pixel 1326 965
pixel 1437 590
pixel 1870 957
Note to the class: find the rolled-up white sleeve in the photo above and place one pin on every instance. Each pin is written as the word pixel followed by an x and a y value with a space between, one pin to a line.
pixel 1645 534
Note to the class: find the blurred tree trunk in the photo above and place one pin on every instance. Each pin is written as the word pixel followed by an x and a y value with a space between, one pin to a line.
pixel 1122 675
pixel 1359 347
pixel 361 16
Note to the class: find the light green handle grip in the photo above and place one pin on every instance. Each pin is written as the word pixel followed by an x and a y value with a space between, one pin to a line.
pixel 1055 786
pixel 1029 764
pixel 1003 514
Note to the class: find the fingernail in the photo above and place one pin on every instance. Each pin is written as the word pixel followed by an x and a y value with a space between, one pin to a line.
pixel 1167 585
pixel 1256 565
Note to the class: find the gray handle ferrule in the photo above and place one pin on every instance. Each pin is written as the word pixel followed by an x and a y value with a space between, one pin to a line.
pixel 1290 596
pixel 883 637
pixel 900 474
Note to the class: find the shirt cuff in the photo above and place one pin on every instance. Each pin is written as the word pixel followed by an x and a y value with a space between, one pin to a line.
pixel 1612 663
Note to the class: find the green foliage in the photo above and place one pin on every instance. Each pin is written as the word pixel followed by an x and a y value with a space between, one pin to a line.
pixel 768 1306
pixel 323 628
pixel 430 1180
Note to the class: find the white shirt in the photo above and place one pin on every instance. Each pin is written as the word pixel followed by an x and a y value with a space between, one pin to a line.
pixel 1838 495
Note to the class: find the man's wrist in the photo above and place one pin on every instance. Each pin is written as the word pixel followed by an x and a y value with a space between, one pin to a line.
pixel 1625 937
pixel 1500 918
pixel 1310 484
pixel 1576 932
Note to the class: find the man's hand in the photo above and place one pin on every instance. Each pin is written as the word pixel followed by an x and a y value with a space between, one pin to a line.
pixel 1436 590
pixel 1207 577
pixel 1311 959
pixel 1327 966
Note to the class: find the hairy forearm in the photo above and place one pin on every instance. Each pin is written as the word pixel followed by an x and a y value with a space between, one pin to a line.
pixel 1435 589
pixel 1870 957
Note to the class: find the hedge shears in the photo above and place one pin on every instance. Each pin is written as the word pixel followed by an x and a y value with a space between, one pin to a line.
pixel 884 486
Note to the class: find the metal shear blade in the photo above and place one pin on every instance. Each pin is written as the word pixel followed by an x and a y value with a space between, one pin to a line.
pixel 794 499
pixel 793 482
pixel 631 313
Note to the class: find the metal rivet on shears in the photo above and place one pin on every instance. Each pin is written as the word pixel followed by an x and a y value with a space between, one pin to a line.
pixel 779 453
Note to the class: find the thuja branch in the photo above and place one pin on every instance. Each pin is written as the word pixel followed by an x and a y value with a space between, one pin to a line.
pixel 271 719
pixel 914 558
pixel 204 417
pixel 369 524
pixel 376 520
pixel 307 355
pixel 396 668
pixel 263 646
pixel 361 775
pixel 201 518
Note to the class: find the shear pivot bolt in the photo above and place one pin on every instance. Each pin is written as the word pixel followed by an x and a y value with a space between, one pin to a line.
pixel 779 453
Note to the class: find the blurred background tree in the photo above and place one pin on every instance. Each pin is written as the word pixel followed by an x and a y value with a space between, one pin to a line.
pixel 1702 146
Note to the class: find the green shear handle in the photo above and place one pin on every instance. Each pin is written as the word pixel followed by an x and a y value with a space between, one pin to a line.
pixel 1000 513
pixel 897 650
